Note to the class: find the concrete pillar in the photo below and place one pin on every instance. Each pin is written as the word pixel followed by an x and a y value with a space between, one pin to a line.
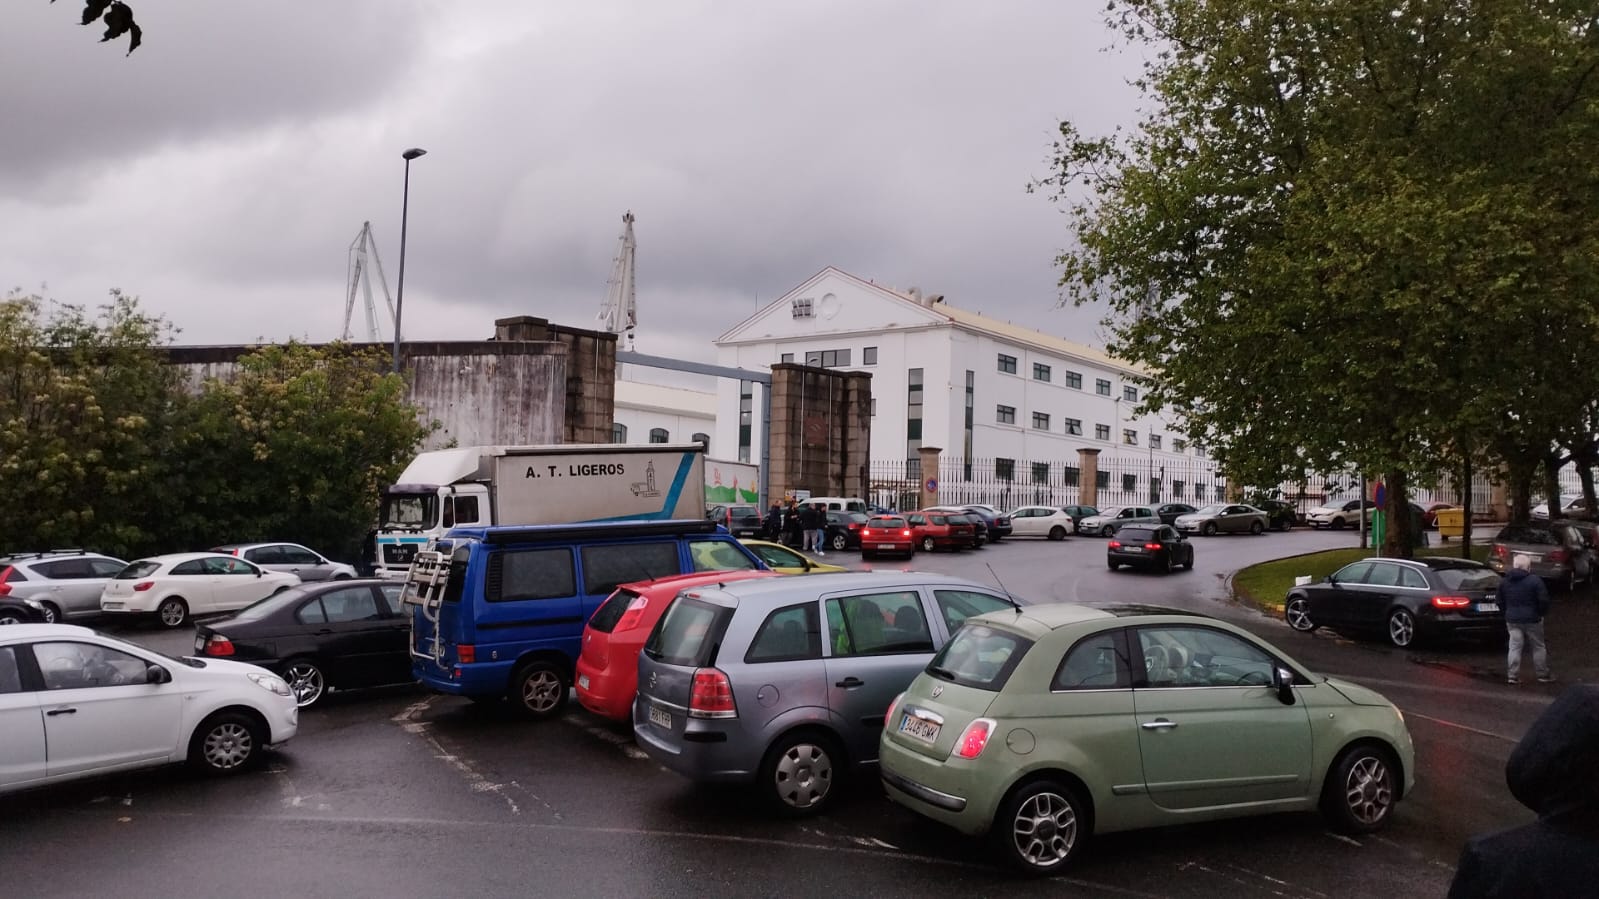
pixel 1088 477
pixel 929 459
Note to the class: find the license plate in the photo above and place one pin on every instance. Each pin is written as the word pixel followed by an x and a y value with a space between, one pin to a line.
pixel 583 681
pixel 1132 549
pixel 919 729
pixel 199 643
pixel 1487 607
pixel 660 717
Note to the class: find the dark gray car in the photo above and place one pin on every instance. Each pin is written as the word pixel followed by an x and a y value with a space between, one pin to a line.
pixel 785 682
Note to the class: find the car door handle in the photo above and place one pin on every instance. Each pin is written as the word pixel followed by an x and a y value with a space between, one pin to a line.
pixel 850 683
pixel 54 712
pixel 1158 724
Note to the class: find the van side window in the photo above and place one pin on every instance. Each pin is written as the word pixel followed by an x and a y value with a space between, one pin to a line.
pixel 788 634
pixel 530 574
pixel 607 567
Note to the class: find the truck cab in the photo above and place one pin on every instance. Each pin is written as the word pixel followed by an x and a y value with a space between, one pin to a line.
pixel 498 612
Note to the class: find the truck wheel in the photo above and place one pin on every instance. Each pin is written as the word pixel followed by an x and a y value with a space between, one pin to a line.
pixel 539 690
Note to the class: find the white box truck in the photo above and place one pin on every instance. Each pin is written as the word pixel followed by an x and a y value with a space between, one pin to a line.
pixel 477 486
pixel 732 483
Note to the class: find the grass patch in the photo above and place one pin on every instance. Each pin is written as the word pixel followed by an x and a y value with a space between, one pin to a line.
pixel 1267 584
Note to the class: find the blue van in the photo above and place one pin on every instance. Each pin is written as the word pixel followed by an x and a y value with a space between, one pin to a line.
pixel 498 612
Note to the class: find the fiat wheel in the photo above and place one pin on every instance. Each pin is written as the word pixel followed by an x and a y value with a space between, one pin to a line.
pixel 1361 789
pixel 1041 828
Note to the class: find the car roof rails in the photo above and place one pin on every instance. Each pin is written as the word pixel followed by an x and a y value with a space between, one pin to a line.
pixel 41 554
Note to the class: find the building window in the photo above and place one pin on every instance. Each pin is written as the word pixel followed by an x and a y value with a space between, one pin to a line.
pixel 1040 372
pixel 746 418
pixel 1074 380
pixel 1199 490
pixel 802 307
pixel 913 414
pixel 1179 445
pixel 1102 432
pixel 1005 415
pixel 1007 364
pixel 1005 469
pixel 1102 387
pixel 1199 451
pixel 1041 421
pixel 618 432
pixel 971 409
pixel 1074 426
pixel 1177 489
pixel 659 435
pixel 1040 472
pixel 1071 474
pixel 703 438
pixel 1129 482
pixel 1102 480
pixel 788 357
pixel 1154 441
pixel 1221 492
pixel 1130 394
pixel 869 356
pixel 827 358
pixel 1129 437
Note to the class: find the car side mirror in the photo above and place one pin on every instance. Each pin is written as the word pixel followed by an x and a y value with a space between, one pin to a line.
pixel 155 674
pixel 258 572
pixel 1283 680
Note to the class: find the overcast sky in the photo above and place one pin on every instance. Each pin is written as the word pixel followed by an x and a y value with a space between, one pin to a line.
pixel 222 170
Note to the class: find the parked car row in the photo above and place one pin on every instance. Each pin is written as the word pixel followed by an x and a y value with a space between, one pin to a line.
pixel 63 585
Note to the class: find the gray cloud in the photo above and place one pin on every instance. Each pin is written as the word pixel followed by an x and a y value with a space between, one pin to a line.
pixel 756 143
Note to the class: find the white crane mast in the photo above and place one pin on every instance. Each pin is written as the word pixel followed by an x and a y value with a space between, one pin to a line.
pixel 360 280
pixel 620 311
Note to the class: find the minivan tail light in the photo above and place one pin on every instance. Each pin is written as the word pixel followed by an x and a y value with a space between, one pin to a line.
pixel 466 653
pixel 142 586
pixel 1451 602
pixel 893 704
pixel 975 738
pixel 711 695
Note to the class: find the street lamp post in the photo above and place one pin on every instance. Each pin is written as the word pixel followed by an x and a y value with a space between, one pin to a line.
pixel 405 209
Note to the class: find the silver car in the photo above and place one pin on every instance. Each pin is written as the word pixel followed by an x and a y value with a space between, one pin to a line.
pixel 290 558
pixel 1224 519
pixel 67 583
pixel 1560 551
pixel 785 682
pixel 1108 522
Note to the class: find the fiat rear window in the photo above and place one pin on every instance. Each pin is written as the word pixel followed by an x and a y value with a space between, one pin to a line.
pixel 980 656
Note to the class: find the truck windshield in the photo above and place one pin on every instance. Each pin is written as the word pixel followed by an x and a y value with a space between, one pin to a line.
pixel 410 510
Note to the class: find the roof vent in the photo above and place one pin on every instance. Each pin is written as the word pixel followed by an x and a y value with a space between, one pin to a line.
pixel 915 293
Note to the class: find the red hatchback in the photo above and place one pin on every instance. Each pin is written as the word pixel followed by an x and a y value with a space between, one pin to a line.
pixel 887 534
pixel 940 530
pixel 607 668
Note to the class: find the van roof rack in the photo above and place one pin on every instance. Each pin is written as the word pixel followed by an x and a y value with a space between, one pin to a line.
pixel 548 533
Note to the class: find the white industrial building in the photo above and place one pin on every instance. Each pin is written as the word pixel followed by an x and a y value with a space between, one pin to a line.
pixel 649 412
pixel 976 387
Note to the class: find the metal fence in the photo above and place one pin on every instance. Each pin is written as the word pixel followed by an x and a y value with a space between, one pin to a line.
pixel 1122 480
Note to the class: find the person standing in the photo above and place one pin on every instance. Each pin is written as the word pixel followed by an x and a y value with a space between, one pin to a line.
pixel 819 534
pixel 1551 771
pixel 807 522
pixel 1526 602
pixel 791 525
pixel 774 522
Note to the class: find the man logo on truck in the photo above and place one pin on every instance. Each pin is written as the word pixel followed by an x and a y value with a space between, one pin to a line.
pixel 647 489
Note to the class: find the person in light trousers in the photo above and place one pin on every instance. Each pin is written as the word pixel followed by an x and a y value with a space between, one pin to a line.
pixel 1526 602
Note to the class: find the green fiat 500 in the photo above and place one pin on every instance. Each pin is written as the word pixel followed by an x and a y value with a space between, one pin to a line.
pixel 1044 726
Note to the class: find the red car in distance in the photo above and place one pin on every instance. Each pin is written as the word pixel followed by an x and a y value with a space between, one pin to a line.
pixel 607 667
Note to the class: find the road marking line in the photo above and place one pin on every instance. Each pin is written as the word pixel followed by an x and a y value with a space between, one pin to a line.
pixel 625 744
pixel 1464 727
pixel 1502 695
pixel 1343 839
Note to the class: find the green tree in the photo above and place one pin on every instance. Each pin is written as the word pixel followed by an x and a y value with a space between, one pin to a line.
pixel 1348 233
pixel 85 404
pixel 295 445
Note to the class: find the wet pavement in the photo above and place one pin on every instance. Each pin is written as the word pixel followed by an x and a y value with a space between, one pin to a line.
pixel 398 793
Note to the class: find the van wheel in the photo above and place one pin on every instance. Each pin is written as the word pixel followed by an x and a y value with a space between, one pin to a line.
pixel 800 772
pixel 1041 828
pixel 539 690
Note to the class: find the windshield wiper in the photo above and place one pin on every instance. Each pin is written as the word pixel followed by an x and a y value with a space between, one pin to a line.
pixel 944 673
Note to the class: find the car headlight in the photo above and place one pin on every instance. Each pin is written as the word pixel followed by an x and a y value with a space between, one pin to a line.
pixel 270 682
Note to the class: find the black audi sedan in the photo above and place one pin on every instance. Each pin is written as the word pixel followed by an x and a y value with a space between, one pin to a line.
pixel 1404 599
pixel 332 635
pixel 1156 546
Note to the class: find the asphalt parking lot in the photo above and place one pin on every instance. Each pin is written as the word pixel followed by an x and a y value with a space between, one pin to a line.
pixel 399 793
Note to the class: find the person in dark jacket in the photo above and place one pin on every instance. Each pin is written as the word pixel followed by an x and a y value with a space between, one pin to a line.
pixel 774 522
pixel 791 525
pixel 1526 602
pixel 1551 771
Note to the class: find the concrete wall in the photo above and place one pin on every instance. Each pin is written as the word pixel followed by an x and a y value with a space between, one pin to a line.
pixel 590 390
pixel 821 430
pixel 481 392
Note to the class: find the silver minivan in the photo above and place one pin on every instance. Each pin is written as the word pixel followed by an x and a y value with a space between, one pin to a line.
pixel 784 682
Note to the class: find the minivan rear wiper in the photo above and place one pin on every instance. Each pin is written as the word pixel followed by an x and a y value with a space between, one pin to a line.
pixel 944 673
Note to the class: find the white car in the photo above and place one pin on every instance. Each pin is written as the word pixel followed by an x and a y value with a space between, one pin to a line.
pixel 1041 521
pixel 178 586
pixel 1572 505
pixel 75 703
pixel 1339 515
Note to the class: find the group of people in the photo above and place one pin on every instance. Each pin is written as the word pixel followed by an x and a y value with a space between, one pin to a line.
pixel 804 524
